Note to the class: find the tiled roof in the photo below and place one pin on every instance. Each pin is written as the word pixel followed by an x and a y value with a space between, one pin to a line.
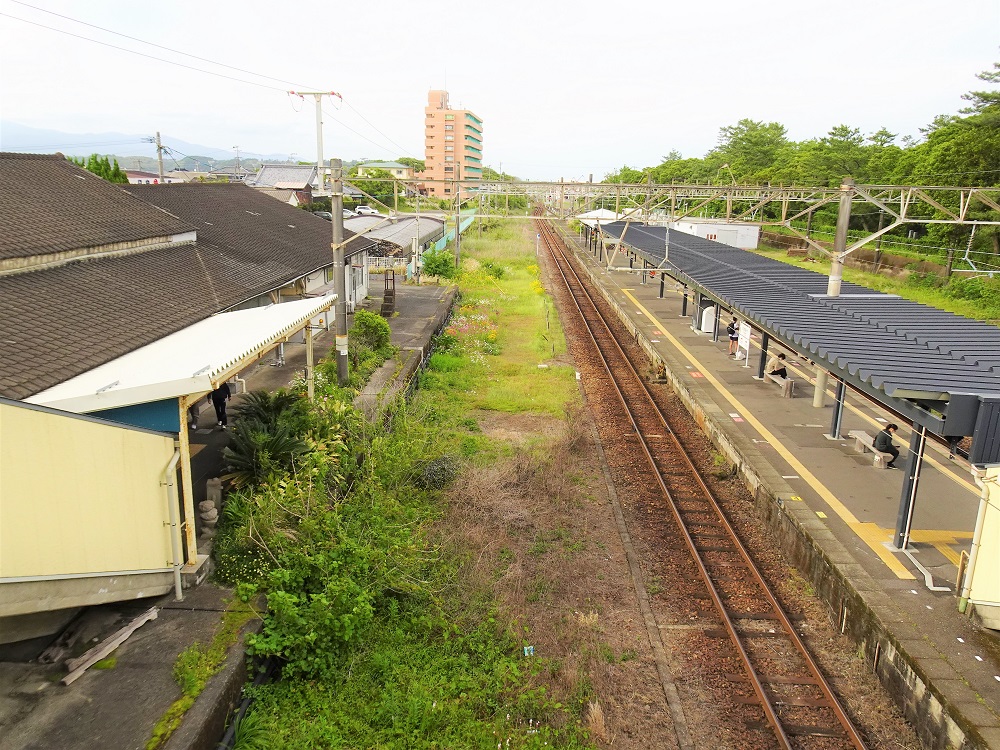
pixel 245 222
pixel 288 175
pixel 399 233
pixel 383 165
pixel 50 205
pixel 62 321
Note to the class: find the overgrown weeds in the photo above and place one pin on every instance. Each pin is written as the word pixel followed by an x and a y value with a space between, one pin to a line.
pixel 392 630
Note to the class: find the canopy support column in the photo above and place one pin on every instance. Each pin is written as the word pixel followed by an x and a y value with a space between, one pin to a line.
pixel 819 395
pixel 838 410
pixel 765 339
pixel 908 495
pixel 187 484
pixel 310 365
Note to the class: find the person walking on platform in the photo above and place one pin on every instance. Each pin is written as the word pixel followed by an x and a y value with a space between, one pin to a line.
pixel 883 442
pixel 776 366
pixel 219 397
pixel 733 329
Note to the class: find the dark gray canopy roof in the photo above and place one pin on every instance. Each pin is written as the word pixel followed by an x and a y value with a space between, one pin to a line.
pixel 903 349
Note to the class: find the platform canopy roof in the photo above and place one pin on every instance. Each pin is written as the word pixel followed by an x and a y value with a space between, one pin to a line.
pixel 193 360
pixel 879 342
pixel 602 216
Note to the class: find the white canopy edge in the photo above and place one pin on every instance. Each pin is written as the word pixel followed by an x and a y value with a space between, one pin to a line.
pixel 186 362
pixel 603 216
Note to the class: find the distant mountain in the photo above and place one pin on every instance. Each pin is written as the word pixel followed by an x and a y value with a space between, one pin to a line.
pixel 25 139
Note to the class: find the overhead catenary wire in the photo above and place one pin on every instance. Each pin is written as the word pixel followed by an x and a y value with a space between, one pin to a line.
pixel 154 44
pixel 140 54
pixel 191 67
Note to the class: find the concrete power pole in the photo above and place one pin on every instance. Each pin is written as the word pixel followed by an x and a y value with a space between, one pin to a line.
pixel 339 279
pixel 159 156
pixel 318 97
pixel 840 238
pixel 458 216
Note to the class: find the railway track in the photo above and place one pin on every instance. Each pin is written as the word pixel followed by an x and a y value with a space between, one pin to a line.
pixel 779 689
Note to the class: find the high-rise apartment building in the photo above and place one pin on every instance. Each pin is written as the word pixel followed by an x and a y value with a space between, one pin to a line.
pixel 453 147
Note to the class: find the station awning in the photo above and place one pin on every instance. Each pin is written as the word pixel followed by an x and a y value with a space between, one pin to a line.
pixel 192 360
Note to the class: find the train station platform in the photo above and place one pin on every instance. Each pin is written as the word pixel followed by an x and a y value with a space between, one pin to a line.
pixel 118 707
pixel 834 512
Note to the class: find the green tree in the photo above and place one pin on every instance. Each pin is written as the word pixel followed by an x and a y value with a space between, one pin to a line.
pixel 440 263
pixel 380 191
pixel 102 167
pixel 417 164
pixel 626 175
pixel 751 149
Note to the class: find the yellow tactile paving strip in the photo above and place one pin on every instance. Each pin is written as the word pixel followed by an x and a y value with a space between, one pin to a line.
pixel 870 533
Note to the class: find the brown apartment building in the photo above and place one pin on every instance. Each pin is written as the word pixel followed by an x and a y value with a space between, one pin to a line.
pixel 453 147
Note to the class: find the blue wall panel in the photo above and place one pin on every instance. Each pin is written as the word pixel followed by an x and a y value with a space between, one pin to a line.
pixel 156 415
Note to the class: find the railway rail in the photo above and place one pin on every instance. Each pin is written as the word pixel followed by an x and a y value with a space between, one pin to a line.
pixel 798 704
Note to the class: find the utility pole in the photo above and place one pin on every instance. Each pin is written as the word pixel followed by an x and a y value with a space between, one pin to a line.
pixel 159 156
pixel 458 215
pixel 236 171
pixel 339 280
pixel 318 97
pixel 840 238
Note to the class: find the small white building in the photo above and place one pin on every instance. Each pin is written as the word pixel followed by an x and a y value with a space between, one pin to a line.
pixel 139 177
pixel 743 236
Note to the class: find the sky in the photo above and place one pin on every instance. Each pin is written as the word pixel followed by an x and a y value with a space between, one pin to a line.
pixel 564 89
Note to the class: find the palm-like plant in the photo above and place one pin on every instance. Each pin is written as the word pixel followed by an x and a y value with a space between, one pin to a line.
pixel 257 450
pixel 266 408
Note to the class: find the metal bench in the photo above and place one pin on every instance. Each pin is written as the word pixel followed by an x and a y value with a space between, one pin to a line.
pixel 787 384
pixel 863 441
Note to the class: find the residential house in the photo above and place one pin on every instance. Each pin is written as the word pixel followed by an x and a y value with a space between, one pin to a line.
pixel 138 177
pixel 397 170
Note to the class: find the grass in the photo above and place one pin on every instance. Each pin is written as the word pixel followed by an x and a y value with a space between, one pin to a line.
pixel 196 665
pixel 437 666
pixel 985 307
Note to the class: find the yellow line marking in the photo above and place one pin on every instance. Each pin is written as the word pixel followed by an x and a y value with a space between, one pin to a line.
pixel 861 529
pixel 963 482
pixel 949 554
pixel 821 514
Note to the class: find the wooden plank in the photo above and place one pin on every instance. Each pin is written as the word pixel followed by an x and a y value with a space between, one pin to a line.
pixel 79 665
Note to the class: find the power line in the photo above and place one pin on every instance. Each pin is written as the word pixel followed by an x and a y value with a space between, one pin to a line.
pixel 191 67
pixel 141 54
pixel 153 44
pixel 403 150
pixel 81 145
pixel 360 135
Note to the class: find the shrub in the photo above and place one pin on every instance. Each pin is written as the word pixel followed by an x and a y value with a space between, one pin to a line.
pixel 438 473
pixel 257 451
pixel 440 263
pixel 370 330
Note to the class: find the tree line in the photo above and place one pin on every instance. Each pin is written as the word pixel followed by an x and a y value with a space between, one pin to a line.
pixel 962 149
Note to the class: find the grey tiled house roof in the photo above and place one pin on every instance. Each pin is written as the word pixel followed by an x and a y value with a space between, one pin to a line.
pixel 66 318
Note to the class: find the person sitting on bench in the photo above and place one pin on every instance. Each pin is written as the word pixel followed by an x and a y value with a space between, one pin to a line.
pixel 776 366
pixel 883 442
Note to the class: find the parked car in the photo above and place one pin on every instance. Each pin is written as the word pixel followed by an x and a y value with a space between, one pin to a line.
pixel 349 214
pixel 324 215
pixel 367 211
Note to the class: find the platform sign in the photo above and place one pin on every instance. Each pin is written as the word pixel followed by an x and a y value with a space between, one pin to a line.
pixel 743 344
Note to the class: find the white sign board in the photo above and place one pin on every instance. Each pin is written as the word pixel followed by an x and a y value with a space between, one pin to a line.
pixel 743 344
